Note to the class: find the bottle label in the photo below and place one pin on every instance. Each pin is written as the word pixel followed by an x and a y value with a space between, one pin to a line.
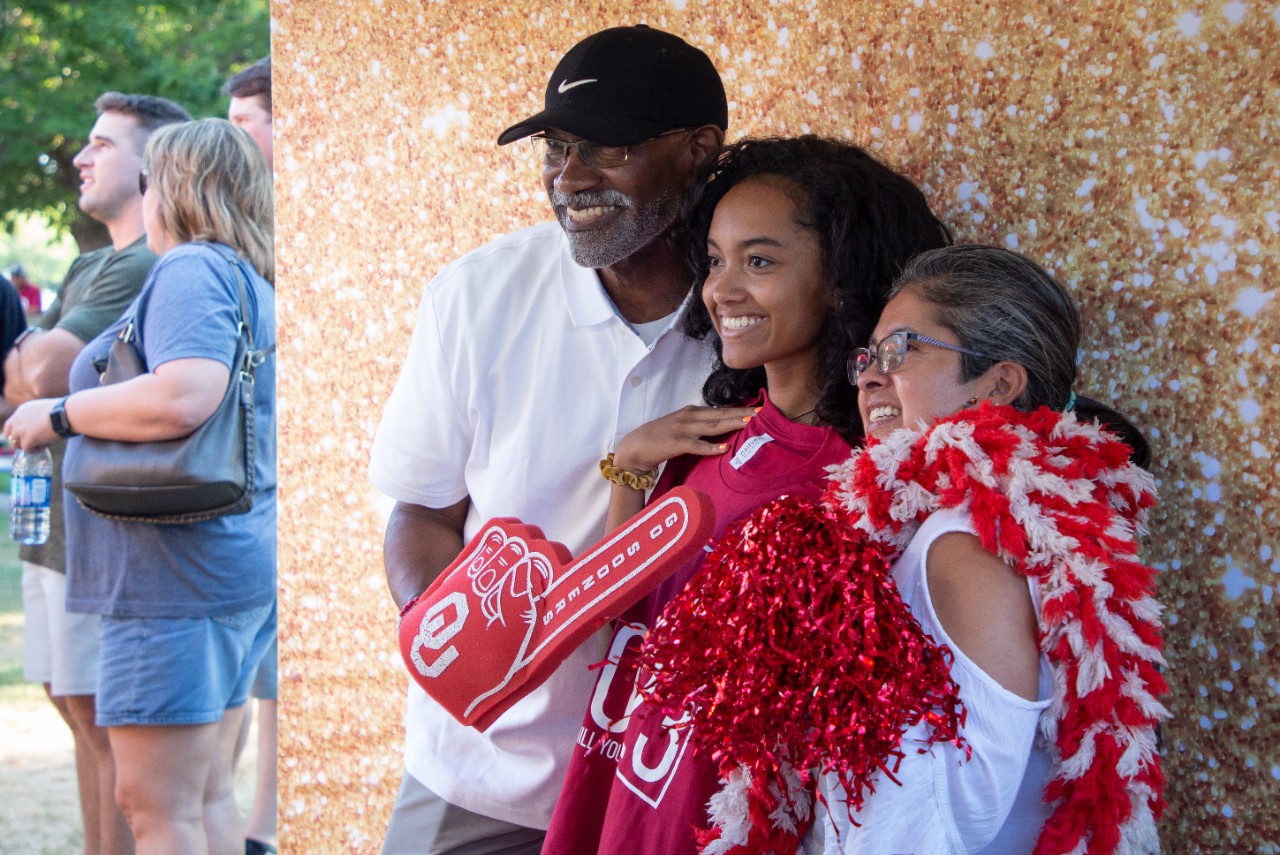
pixel 30 491
pixel 40 488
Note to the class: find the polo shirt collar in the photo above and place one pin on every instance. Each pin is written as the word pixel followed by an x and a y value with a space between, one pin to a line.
pixel 584 293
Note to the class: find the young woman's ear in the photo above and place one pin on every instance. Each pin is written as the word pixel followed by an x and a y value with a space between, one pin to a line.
pixel 1010 381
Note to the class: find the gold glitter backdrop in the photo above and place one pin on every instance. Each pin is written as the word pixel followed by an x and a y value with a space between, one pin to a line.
pixel 1131 147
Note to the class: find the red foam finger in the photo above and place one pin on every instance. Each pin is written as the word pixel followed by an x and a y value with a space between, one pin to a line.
pixel 512 606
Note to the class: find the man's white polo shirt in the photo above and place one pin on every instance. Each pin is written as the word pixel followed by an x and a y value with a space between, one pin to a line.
pixel 520 377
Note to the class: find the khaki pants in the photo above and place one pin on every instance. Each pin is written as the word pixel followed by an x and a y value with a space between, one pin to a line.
pixel 422 823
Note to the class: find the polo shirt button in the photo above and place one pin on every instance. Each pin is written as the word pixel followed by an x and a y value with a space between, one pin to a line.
pixel 636 381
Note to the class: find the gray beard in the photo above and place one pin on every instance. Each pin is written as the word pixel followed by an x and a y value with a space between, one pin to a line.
pixel 635 229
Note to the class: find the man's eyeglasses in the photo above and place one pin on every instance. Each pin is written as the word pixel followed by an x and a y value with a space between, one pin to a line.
pixel 553 153
pixel 892 350
pixel 142 182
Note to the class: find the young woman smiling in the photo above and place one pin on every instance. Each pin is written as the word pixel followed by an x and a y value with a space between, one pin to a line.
pixel 793 243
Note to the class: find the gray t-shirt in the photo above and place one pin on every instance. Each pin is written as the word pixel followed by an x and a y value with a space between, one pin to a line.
pixel 206 569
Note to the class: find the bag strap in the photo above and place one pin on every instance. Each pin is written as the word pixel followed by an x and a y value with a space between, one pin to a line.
pixel 253 358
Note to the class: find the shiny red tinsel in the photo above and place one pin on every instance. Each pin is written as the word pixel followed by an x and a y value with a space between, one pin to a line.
pixel 791 645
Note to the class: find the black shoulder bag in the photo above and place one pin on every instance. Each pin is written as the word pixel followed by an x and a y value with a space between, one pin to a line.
pixel 208 473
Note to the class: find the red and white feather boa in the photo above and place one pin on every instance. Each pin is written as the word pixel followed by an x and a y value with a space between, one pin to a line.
pixel 1053 497
pixel 1058 500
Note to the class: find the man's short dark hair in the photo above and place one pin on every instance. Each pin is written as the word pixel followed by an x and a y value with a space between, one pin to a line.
pixel 149 111
pixel 254 80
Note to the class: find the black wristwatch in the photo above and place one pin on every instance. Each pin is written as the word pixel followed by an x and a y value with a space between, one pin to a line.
pixel 58 418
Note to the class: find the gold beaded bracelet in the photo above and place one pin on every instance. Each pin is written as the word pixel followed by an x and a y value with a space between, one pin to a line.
pixel 625 477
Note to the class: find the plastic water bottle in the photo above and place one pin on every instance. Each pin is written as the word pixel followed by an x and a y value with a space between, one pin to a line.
pixel 30 485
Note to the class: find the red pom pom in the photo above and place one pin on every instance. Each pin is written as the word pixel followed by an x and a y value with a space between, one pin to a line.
pixel 793 646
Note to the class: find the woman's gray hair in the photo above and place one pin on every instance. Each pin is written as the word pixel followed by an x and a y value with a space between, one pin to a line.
pixel 1005 306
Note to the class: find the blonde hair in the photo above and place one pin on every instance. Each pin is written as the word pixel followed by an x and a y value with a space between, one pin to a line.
pixel 214 185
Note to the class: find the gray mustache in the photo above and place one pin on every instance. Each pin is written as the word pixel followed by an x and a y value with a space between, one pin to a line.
pixel 560 199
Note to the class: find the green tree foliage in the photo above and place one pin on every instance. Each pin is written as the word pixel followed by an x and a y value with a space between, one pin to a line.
pixel 57 56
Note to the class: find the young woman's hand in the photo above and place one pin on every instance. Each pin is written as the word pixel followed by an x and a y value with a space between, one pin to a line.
pixel 683 432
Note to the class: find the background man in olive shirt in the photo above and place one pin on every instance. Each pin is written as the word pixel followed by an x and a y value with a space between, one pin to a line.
pixel 60 649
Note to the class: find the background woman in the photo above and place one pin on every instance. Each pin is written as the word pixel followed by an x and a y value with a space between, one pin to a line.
pixel 794 243
pixel 188 609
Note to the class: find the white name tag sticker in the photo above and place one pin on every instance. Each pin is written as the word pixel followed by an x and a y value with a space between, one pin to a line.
pixel 749 449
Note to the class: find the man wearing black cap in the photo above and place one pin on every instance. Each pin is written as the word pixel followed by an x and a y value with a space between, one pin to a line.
pixel 532 356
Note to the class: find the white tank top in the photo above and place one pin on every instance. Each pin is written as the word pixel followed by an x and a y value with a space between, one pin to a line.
pixel 990 804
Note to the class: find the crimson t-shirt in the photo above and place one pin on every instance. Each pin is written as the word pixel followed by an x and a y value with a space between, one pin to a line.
pixel 635 784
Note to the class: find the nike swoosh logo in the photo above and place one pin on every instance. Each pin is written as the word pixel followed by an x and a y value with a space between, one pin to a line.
pixel 565 85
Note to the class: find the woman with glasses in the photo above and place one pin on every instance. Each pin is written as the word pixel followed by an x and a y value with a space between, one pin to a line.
pixel 793 244
pixel 188 608
pixel 1014 648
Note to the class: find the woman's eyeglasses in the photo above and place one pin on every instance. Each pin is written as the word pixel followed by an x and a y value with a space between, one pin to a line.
pixel 892 350
pixel 142 182
pixel 554 153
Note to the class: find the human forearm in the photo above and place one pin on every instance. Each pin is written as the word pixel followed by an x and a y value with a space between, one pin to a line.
pixel 624 503
pixel 168 404
pixel 38 365
pixel 15 387
pixel 419 544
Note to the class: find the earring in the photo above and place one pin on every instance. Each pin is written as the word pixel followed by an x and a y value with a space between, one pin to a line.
pixel 969 403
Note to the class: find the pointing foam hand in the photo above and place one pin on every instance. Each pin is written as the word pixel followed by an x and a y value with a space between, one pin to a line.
pixel 509 609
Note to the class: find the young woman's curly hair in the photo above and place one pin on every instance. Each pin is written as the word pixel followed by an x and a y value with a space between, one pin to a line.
pixel 870 221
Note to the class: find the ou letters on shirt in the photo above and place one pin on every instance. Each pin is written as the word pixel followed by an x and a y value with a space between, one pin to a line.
pixel 638 783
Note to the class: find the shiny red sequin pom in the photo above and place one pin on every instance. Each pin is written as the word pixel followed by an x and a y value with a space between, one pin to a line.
pixel 792 646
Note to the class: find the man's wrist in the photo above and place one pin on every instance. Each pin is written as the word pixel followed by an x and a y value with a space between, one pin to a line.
pixel 22 336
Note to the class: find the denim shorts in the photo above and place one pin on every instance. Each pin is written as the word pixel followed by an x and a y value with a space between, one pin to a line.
pixel 180 670
pixel 264 685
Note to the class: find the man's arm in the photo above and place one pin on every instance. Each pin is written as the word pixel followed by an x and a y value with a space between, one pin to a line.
pixel 419 544
pixel 39 365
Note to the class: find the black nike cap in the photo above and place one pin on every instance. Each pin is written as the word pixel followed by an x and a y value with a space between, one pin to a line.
pixel 624 85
